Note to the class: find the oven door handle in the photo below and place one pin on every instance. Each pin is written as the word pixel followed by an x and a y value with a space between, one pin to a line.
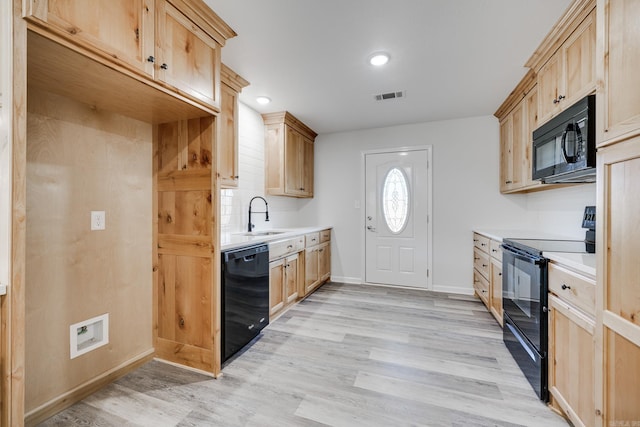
pixel 524 255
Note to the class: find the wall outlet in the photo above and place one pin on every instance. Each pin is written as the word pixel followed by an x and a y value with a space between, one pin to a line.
pixel 98 220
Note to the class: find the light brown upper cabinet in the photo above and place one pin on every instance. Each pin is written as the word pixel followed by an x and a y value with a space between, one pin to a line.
pixel 122 30
pixel 175 43
pixel 288 155
pixel 516 129
pixel 511 150
pixel 618 108
pixel 227 145
pixel 561 71
pixel 188 58
pixel 570 72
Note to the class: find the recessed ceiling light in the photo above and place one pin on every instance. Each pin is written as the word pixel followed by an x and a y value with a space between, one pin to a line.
pixel 379 58
pixel 264 100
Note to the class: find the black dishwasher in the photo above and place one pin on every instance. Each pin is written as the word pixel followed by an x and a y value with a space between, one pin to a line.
pixel 245 296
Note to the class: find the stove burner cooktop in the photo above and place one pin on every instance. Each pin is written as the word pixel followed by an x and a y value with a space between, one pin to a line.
pixel 537 246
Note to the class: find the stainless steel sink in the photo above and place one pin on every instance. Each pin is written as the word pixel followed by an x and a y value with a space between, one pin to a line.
pixel 262 233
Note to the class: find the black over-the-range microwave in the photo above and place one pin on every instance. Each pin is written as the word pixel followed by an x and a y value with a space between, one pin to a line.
pixel 564 148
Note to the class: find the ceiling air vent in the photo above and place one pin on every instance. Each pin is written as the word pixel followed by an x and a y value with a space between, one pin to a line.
pixel 390 95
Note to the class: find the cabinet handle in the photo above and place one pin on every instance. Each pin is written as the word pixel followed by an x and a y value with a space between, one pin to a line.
pixel 151 59
pixel 289 246
pixel 475 240
pixel 320 250
pixel 508 182
pixel 555 101
pixel 561 97
pixel 494 250
pixel 483 244
pixel 565 287
pixel 499 274
pixel 236 177
pixel 475 258
pixel 484 265
pixel 164 66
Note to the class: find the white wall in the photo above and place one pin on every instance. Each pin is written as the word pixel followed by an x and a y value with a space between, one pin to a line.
pixel 465 193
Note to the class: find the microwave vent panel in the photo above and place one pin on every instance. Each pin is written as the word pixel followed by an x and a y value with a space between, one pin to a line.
pixel 390 95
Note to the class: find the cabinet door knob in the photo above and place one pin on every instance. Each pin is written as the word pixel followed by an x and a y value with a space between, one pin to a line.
pixel 561 97
pixel 164 66
pixel 555 101
pixel 151 59
pixel 565 287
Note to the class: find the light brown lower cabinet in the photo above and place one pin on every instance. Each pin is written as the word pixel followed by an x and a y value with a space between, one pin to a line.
pixel 487 273
pixel 571 362
pixel 284 276
pixel 317 263
pixel 495 303
pixel 317 266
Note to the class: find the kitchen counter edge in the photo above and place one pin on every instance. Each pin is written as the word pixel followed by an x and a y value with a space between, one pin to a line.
pixel 580 263
pixel 237 240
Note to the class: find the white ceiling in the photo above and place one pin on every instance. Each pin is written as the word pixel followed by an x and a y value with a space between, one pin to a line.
pixel 454 58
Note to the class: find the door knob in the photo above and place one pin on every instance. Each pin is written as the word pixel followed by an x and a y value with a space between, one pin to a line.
pixel 370 228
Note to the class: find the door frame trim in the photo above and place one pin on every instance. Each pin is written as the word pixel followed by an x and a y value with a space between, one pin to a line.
pixel 429 189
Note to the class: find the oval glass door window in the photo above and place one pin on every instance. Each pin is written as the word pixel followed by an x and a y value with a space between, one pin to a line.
pixel 395 200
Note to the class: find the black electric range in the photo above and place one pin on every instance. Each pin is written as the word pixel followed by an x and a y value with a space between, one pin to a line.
pixel 524 301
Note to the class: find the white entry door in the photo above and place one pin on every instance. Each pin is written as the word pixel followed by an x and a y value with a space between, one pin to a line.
pixel 396 218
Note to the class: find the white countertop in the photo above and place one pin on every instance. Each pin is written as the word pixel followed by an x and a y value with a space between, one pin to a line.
pixel 581 263
pixel 520 234
pixel 233 240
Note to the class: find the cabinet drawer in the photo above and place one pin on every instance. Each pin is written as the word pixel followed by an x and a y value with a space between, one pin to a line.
pixel 481 262
pixel 285 247
pixel 572 288
pixel 481 286
pixel 481 242
pixel 495 250
pixel 325 236
pixel 312 239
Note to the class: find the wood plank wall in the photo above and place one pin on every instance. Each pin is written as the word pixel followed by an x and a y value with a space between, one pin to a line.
pixel 81 159
pixel 187 265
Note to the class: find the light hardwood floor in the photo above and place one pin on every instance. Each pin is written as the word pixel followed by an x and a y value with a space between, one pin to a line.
pixel 348 355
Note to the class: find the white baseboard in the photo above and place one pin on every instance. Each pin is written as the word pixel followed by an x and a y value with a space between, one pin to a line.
pixel 349 280
pixel 461 290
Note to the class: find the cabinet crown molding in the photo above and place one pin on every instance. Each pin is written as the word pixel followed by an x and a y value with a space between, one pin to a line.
pixel 285 117
pixel 206 19
pixel 568 22
pixel 525 86
pixel 232 79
